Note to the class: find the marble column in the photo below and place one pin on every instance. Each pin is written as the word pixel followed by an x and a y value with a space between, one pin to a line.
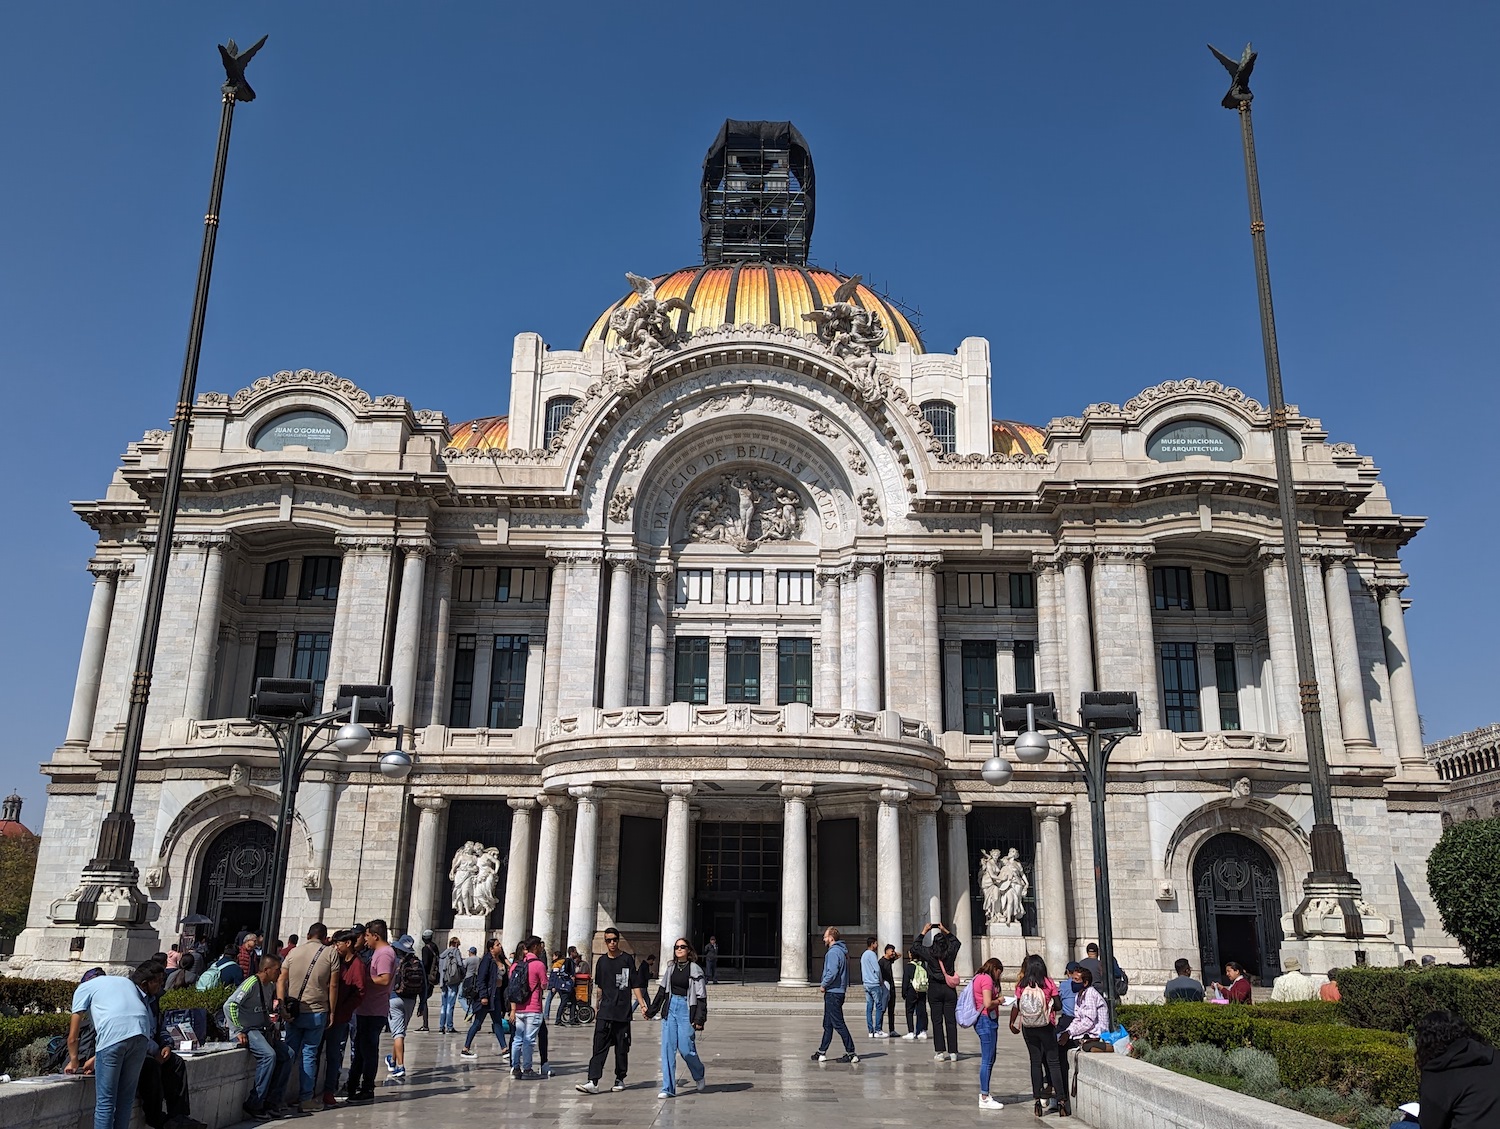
pixel 794 903
pixel 658 683
pixel 91 661
pixel 677 868
pixel 200 679
pixel 1208 688
pixel 442 656
pixel 1052 883
pixel 531 700
pixel 1283 654
pixel 1051 628
pixel 516 924
pixel 553 659
pixel 927 881
pixel 932 647
pixel 1148 695
pixel 427 865
pixel 408 634
pixel 830 645
pixel 583 901
pixel 1080 636
pixel 1398 671
pixel 888 910
pixel 959 903
pixel 1347 672
pixel 548 851
pixel 617 634
pixel 866 638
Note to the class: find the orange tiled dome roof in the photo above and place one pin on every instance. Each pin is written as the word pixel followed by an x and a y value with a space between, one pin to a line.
pixel 1009 437
pixel 487 433
pixel 760 294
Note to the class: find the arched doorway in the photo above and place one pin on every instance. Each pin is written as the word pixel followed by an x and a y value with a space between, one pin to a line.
pixel 235 879
pixel 1239 908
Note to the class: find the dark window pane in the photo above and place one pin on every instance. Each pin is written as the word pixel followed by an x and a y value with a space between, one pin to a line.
pixel 1227 677
pixel 320 578
pixel 691 682
pixel 1024 651
pixel 508 681
pixel 265 658
pixel 838 872
pixel 1179 683
pixel 273 587
pixel 639 885
pixel 742 671
pixel 1022 590
pixel 310 658
pixel 461 702
pixel 1216 591
pixel 793 671
pixel 1173 588
pixel 979 685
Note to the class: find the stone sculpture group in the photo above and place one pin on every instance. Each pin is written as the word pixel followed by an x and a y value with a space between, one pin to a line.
pixel 476 875
pixel 1004 885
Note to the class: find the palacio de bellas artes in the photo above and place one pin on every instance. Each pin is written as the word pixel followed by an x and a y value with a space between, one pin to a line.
pixel 704 630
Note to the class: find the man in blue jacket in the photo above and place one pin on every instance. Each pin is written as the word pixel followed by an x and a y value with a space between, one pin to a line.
pixel 834 984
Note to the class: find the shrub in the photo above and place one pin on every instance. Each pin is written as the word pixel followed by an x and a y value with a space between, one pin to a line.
pixel 17 1032
pixel 28 996
pixel 1461 875
pixel 1257 1068
pixel 1393 999
pixel 211 1001
pixel 1302 1011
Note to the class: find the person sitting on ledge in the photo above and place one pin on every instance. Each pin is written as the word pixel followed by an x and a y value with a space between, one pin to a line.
pixel 1182 988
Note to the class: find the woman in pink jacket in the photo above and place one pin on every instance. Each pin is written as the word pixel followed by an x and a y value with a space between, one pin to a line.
pixel 1090 1009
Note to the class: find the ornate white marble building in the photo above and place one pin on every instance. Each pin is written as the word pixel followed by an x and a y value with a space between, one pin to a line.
pixel 706 632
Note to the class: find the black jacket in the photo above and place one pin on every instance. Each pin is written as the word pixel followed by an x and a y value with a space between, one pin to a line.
pixel 937 955
pixel 491 983
pixel 1460 1088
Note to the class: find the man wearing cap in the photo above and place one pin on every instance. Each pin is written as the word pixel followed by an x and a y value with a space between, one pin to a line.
pixel 372 1014
pixel 615 981
pixel 308 988
pixel 352 979
pixel 430 970
pixel 1293 985
pixel 407 986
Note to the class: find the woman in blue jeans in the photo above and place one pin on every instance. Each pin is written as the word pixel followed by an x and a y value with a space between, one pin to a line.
pixel 682 1004
pixel 986 989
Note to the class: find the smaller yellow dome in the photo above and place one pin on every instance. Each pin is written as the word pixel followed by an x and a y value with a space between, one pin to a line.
pixel 488 433
pixel 1009 437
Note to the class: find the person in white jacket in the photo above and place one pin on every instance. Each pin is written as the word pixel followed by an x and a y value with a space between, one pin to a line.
pixel 1293 985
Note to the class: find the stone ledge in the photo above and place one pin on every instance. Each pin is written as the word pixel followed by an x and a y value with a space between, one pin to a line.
pixel 1118 1092
pixel 218 1083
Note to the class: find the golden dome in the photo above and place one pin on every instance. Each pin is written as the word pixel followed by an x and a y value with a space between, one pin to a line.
pixel 488 433
pixel 759 294
pixel 1011 438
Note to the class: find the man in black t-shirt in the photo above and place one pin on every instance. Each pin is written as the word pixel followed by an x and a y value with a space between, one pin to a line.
pixel 616 980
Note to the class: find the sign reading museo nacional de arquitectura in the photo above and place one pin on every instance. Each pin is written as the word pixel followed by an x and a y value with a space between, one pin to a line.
pixel 702 633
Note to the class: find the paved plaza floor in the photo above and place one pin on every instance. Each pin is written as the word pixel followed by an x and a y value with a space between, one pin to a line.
pixel 759 1074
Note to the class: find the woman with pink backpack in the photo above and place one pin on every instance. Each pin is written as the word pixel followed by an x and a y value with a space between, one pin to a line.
pixel 1034 1016
pixel 984 997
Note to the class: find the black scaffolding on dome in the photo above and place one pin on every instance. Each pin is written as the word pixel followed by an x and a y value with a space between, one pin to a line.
pixel 757 194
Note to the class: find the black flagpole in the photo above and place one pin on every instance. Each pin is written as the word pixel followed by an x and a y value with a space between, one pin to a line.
pixel 113 864
pixel 1330 876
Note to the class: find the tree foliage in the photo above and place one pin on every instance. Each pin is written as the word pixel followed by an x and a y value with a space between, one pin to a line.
pixel 17 869
pixel 1462 874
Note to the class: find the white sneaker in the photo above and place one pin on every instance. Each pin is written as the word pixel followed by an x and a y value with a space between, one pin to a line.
pixel 908 1035
pixel 587 1087
pixel 952 1056
pixel 987 1102
pixel 924 1035
pixel 881 1035
pixel 663 1094
pixel 941 1056
pixel 617 1085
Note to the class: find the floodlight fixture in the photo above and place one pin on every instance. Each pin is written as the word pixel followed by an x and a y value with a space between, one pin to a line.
pixel 1013 715
pixel 283 698
pixel 1111 711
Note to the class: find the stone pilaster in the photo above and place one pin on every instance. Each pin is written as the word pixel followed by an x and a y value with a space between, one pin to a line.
pixel 552 661
pixel 549 849
pixel 1052 883
pixel 867 637
pixel 357 648
pixel 617 636
pixel 408 632
pixel 770 670
pixel 517 922
pixel 658 678
pixel 442 660
pixel 95 642
pixel 677 868
pixel 200 679
pixel 830 643
pixel 426 864
pixel 1398 672
pixel 1347 668
pixel 794 903
pixel 583 901
pixel 959 903
pixel 1280 637
pixel 1208 689
pixel 927 881
pixel 1079 633
pixel 888 915
pixel 1051 628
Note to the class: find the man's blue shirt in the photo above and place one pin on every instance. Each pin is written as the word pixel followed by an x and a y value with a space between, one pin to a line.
pixel 116 1007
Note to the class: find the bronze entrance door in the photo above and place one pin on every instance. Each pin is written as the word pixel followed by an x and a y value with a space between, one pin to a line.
pixel 738 897
pixel 235 880
pixel 1238 894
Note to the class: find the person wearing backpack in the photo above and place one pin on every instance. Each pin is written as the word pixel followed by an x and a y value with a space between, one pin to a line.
pixel 1033 1016
pixel 488 999
pixel 914 995
pixel 450 970
pixel 223 972
pixel 409 984
pixel 937 949
pixel 528 981
pixel 985 994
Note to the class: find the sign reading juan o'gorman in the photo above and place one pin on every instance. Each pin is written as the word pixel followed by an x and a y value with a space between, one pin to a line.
pixel 312 430
pixel 1177 441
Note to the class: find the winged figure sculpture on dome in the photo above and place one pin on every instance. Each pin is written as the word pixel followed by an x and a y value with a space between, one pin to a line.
pixel 644 327
pixel 851 332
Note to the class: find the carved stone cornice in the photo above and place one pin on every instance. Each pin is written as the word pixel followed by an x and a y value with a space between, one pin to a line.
pixel 796 793
pixel 364 543
pixel 346 390
pixel 110 569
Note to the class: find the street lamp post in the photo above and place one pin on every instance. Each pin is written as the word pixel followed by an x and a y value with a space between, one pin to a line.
pixel 113 867
pixel 1108 717
pixel 1330 876
pixel 286 707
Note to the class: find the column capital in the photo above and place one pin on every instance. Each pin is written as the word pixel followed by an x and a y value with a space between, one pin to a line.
pixel 522 803
pixel 1046 562
pixel 953 646
pixel 576 556
pixel 894 796
pixel 1052 812
pixel 206 539
pixel 916 563
pixel 430 803
pixel 926 805
pixel 449 559
pixel 956 809
pixel 552 800
pixel 677 791
pixel 415 546
pixel 1268 555
pixel 585 794
pixel 796 793
pixel 1385 587
pixel 1129 552
pixel 865 564
pixel 110 569
pixel 623 558
pixel 1334 556
pixel 364 543
pixel 1071 554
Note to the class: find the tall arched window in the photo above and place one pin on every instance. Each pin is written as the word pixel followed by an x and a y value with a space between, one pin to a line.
pixel 557 410
pixel 940 414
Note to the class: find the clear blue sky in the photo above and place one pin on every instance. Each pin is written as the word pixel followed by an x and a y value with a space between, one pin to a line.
pixel 418 183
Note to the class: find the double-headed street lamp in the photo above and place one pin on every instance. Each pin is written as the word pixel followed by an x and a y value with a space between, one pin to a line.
pixel 1107 717
pixel 288 708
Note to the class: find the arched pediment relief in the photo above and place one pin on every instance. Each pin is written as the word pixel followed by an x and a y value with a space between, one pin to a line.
pixel 207 814
pixel 1260 820
pixel 747 407
pixel 1152 406
pixel 743 484
pixel 317 389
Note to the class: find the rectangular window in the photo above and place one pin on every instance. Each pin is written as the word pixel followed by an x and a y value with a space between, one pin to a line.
pixel 980 688
pixel 1173 588
pixel 691 682
pixel 461 701
pixel 476 584
pixel 695 586
pixel 743 586
pixel 1179 685
pixel 970 589
pixel 522 584
pixel 1022 590
pixel 794 587
pixel 1216 591
pixel 1024 652
pixel 265 657
pixel 310 654
pixel 838 871
pixel 320 578
pixel 273 587
pixel 508 681
pixel 742 670
pixel 1227 677
pixel 793 671
pixel 638 891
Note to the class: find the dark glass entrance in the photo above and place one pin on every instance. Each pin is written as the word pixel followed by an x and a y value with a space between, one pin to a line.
pixel 1239 908
pixel 235 880
pixel 738 899
pixel 1000 829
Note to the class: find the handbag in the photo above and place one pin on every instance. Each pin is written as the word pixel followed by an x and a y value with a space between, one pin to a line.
pixel 291 1007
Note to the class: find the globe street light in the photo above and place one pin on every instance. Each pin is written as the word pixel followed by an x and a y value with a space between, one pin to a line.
pixel 1108 717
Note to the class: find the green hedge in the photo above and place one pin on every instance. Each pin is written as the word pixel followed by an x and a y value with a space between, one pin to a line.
pixel 1461 875
pixel 1393 999
pixel 16 1032
pixel 1307 1053
pixel 211 1000
pixel 36 995
pixel 1303 1011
